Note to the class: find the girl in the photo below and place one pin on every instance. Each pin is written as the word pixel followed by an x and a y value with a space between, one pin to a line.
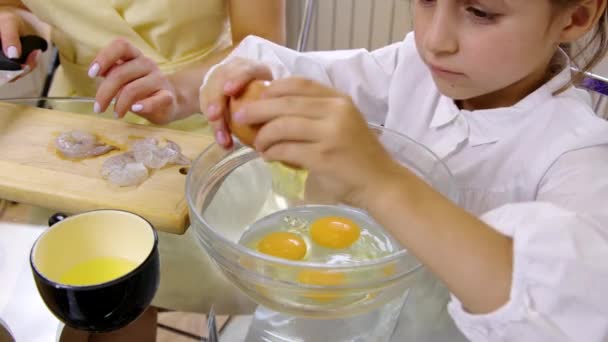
pixel 484 85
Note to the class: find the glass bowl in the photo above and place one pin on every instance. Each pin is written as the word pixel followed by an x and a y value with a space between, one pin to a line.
pixel 228 191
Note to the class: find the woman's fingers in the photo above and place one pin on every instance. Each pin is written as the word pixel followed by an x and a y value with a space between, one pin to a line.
pixel 32 59
pixel 134 91
pixel 9 34
pixel 155 107
pixel 118 51
pixel 119 77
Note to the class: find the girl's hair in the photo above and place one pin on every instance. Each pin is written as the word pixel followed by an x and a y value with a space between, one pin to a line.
pixel 594 47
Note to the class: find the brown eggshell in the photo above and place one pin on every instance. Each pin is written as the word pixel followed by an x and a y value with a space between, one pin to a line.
pixel 253 91
pixel 247 133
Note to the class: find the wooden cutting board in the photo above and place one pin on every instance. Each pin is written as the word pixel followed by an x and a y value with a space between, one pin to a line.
pixel 32 172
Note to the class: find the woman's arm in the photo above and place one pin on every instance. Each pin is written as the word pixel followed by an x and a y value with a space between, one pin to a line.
pixel 268 22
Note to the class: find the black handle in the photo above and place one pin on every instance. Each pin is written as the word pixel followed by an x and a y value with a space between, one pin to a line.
pixel 56 218
pixel 28 44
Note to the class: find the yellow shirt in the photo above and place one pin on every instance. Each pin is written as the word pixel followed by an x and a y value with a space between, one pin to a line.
pixel 174 33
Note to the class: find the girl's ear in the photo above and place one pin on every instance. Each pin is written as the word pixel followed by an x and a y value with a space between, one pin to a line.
pixel 581 18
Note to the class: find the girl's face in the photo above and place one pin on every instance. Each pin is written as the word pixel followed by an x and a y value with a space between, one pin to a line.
pixel 487 53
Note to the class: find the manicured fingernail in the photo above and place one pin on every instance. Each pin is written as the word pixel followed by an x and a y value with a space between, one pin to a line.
pixel 96 107
pixel 220 136
pixel 11 52
pixel 137 107
pixel 116 116
pixel 239 116
pixel 93 70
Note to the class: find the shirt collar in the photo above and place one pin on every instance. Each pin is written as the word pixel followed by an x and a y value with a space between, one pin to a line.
pixel 447 113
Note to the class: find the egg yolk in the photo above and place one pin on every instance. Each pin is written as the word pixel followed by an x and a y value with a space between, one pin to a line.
pixel 389 270
pixel 321 278
pixel 334 232
pixel 283 245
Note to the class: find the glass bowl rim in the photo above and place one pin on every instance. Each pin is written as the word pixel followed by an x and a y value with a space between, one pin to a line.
pixel 247 252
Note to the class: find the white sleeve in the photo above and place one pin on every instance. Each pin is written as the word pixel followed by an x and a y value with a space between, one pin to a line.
pixel 559 289
pixel 364 76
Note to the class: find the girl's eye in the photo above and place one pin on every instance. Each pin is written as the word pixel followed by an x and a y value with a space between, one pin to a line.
pixel 427 2
pixel 481 15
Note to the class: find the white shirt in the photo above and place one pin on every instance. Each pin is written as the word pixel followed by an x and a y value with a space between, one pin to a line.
pixel 536 171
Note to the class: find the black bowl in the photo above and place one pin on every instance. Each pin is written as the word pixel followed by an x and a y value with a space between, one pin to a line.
pixel 108 305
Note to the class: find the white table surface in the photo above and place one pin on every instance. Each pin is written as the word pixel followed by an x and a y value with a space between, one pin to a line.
pixel 21 307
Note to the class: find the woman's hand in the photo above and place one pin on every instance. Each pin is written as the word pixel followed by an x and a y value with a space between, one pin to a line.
pixel 136 83
pixel 319 129
pixel 227 80
pixel 12 26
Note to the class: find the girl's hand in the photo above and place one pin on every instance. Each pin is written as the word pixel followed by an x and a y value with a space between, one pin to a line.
pixel 318 128
pixel 225 81
pixel 136 83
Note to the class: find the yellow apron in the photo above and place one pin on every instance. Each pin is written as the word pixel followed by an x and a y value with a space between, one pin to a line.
pixel 174 33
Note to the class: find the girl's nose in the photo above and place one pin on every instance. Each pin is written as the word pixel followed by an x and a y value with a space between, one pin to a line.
pixel 441 37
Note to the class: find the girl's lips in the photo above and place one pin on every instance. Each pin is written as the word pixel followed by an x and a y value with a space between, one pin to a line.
pixel 439 71
pixel 444 73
